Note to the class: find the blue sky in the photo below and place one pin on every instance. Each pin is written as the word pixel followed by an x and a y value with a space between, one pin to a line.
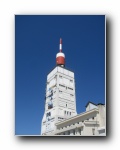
pixel 36 45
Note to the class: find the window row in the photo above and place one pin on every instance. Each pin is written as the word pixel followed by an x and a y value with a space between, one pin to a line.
pixel 72 132
pixel 60 118
pixel 65 87
pixel 67 112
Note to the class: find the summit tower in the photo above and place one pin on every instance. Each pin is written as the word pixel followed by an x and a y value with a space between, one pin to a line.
pixel 60 99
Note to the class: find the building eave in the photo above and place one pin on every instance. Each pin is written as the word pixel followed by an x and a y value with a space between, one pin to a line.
pixel 78 116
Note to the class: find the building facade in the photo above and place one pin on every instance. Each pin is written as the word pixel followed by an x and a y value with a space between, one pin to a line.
pixel 60 116
pixel 92 122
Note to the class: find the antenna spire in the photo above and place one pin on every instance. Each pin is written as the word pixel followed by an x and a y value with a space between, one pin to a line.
pixel 60 44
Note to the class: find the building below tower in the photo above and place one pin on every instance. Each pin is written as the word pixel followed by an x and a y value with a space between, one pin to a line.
pixel 92 122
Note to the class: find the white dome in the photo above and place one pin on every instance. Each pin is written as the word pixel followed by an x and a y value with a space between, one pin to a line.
pixel 60 54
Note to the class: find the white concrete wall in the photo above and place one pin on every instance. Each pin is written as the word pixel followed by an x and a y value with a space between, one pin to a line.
pixel 88 127
pixel 102 115
pixel 61 101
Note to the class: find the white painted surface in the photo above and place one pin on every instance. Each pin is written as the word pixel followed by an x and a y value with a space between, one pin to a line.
pixel 60 54
pixel 60 46
pixel 58 81
pixel 87 125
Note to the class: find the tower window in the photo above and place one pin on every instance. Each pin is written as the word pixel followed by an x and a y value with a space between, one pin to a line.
pixel 48 114
pixel 70 88
pixel 61 85
pixel 66 105
pixel 60 76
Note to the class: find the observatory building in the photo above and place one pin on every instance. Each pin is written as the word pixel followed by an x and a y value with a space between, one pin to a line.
pixel 60 116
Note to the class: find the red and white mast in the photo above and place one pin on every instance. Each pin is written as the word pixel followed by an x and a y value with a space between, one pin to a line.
pixel 60 57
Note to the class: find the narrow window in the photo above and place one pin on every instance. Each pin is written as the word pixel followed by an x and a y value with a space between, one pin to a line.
pixel 73 132
pixel 61 85
pixel 68 132
pixel 80 131
pixel 65 112
pixel 70 88
pixel 93 131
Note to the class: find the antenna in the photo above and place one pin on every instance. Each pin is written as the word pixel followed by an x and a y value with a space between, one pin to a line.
pixel 60 44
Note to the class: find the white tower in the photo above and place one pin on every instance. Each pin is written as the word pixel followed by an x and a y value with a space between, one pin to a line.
pixel 60 100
